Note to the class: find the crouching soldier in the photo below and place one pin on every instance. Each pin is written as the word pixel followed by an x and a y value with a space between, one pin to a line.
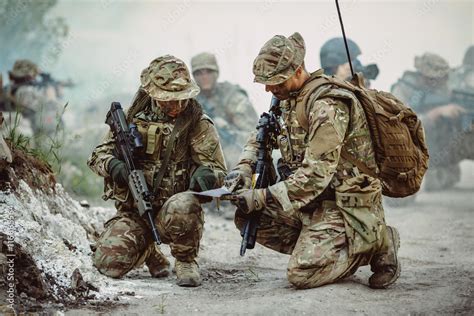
pixel 327 214
pixel 181 152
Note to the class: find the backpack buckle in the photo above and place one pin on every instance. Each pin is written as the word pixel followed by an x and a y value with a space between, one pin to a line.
pixel 402 176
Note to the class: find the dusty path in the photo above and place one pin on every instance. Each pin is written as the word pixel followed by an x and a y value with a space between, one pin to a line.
pixel 437 255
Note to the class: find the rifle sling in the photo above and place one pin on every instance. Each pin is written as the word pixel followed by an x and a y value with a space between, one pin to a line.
pixel 168 151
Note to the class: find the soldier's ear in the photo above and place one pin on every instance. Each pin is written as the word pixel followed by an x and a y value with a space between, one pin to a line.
pixel 299 71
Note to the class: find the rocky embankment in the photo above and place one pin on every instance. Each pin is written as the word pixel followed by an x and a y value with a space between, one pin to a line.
pixel 46 239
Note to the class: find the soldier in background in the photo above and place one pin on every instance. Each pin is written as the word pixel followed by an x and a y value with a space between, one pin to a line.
pixel 31 104
pixel 333 57
pixel 226 103
pixel 461 84
pixel 462 78
pixel 426 90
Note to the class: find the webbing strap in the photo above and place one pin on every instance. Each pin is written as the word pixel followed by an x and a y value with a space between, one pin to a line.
pixel 359 164
pixel 150 147
pixel 168 151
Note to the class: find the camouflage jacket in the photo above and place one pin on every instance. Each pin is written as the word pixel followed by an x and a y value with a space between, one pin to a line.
pixel 315 156
pixel 462 78
pixel 411 90
pixel 194 146
pixel 37 105
pixel 230 107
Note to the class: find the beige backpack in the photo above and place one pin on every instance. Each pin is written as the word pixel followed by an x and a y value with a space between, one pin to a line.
pixel 399 140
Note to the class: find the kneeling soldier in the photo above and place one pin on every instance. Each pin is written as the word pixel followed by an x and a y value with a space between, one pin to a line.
pixel 182 143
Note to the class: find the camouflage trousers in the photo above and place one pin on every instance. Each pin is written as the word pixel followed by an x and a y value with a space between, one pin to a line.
pixel 127 241
pixel 316 241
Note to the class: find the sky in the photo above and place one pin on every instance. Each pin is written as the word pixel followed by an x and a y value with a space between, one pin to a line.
pixel 111 41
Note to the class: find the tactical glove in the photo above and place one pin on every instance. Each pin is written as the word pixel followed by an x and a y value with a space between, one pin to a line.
pixel 203 179
pixel 251 200
pixel 118 172
pixel 237 179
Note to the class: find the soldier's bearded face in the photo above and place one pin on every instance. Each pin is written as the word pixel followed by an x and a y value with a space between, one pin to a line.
pixel 205 78
pixel 173 108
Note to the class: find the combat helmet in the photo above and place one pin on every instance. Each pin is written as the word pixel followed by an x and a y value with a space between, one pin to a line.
pixel 167 78
pixel 279 59
pixel 333 52
pixel 24 69
pixel 432 66
pixel 204 61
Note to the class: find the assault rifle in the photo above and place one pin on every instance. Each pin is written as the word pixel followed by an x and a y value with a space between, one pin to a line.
pixel 268 129
pixel 127 140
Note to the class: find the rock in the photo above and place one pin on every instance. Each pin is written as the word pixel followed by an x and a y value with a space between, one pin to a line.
pixel 28 278
pixel 85 203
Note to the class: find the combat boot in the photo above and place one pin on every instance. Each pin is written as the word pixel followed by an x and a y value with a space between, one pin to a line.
pixel 386 266
pixel 187 273
pixel 157 264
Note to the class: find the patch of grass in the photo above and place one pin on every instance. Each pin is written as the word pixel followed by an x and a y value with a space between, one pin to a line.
pixel 252 275
pixel 43 146
pixel 161 307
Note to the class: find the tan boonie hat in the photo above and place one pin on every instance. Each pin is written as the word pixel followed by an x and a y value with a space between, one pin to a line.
pixel 24 68
pixel 278 59
pixel 432 66
pixel 204 61
pixel 167 79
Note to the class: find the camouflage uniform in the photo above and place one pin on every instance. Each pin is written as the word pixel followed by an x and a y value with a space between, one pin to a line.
pixel 425 90
pixel 462 78
pixel 38 110
pixel 327 215
pixel 461 83
pixel 229 107
pixel 126 241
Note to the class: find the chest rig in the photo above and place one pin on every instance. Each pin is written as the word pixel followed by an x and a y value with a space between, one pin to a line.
pixel 156 130
pixel 293 138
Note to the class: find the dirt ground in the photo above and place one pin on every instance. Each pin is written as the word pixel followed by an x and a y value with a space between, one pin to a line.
pixel 437 248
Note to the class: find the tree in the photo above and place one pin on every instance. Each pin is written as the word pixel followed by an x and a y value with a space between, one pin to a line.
pixel 28 31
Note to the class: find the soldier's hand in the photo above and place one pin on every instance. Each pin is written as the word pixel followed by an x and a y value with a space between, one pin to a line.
pixel 449 111
pixel 118 172
pixel 203 179
pixel 236 180
pixel 251 200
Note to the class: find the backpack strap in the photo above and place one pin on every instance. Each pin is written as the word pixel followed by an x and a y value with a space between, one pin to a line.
pixel 314 83
pixel 313 89
pixel 318 86
pixel 356 162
